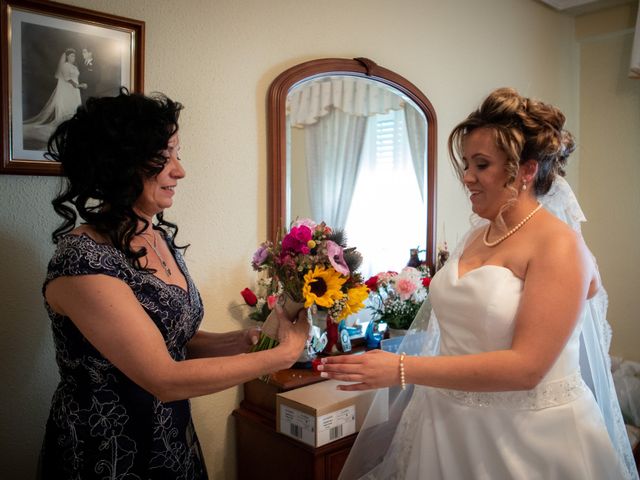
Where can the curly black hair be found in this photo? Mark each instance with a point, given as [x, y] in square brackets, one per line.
[107, 150]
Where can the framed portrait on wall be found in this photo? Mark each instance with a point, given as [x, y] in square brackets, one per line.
[54, 57]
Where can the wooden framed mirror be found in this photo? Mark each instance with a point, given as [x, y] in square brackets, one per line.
[369, 98]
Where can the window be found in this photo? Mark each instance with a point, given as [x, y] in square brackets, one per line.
[387, 214]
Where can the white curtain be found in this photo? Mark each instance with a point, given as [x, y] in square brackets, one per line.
[386, 201]
[634, 70]
[309, 102]
[417, 135]
[333, 112]
[333, 147]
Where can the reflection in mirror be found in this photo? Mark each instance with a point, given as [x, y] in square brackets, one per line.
[353, 144]
[356, 159]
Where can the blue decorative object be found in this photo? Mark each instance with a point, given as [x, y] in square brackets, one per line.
[345, 340]
[372, 337]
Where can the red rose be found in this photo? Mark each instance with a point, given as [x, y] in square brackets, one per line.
[426, 281]
[249, 297]
[372, 283]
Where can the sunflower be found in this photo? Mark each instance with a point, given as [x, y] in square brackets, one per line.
[355, 301]
[322, 287]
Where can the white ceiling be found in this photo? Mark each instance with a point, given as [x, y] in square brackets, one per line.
[579, 7]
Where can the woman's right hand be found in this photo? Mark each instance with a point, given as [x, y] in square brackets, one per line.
[292, 335]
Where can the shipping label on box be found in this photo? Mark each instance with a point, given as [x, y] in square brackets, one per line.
[319, 414]
[297, 424]
[335, 425]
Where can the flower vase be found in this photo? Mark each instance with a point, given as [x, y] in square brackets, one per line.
[269, 333]
[317, 338]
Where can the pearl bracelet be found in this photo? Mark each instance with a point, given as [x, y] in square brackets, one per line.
[403, 383]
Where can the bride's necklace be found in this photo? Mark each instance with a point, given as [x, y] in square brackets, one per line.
[510, 232]
[166, 268]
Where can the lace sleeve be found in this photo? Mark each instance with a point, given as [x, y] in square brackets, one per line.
[81, 255]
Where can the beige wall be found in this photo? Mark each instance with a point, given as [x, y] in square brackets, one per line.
[218, 58]
[609, 143]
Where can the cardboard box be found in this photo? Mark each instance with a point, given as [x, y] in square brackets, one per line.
[319, 414]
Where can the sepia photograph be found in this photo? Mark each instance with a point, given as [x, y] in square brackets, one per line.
[57, 58]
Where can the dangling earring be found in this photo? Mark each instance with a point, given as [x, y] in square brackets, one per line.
[524, 186]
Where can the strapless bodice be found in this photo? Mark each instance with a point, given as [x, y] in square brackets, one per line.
[477, 312]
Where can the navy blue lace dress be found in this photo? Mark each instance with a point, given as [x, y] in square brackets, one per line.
[102, 425]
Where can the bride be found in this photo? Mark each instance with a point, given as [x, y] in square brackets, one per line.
[510, 378]
[63, 102]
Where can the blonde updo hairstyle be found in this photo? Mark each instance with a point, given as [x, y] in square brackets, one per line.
[524, 129]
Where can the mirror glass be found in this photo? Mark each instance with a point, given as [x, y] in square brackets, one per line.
[356, 151]
[356, 159]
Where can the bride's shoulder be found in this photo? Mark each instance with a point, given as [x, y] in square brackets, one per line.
[556, 238]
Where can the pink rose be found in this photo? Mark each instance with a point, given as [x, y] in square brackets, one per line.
[271, 301]
[405, 287]
[385, 277]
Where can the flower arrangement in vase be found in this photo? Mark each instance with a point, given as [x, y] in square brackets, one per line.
[310, 266]
[397, 297]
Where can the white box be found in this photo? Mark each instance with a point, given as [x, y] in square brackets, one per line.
[319, 414]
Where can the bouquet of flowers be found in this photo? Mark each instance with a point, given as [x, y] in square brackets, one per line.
[397, 297]
[310, 267]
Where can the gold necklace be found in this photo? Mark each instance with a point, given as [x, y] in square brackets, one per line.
[510, 232]
[166, 268]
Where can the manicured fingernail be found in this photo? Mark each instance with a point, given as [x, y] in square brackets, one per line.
[254, 340]
[324, 374]
[323, 360]
[320, 367]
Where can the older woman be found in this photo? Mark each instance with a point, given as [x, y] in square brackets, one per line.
[124, 310]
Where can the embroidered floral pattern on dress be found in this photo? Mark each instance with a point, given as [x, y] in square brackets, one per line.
[102, 425]
[544, 395]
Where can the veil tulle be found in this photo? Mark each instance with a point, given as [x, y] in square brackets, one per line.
[374, 443]
[60, 70]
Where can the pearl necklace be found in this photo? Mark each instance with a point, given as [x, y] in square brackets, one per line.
[166, 268]
[510, 232]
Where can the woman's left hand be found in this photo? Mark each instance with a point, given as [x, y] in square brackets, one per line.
[250, 337]
[374, 369]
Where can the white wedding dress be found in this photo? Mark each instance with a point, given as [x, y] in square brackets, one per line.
[61, 105]
[556, 431]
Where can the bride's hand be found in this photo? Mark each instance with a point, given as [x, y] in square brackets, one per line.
[374, 369]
